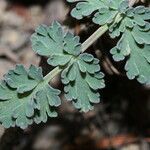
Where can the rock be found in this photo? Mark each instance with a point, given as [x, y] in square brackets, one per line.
[56, 10]
[12, 19]
[13, 38]
[27, 57]
[3, 6]
[131, 147]
[49, 138]
[36, 17]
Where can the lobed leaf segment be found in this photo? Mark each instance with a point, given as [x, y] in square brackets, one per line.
[26, 98]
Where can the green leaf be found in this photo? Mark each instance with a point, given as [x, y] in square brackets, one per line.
[47, 99]
[138, 62]
[86, 7]
[17, 110]
[141, 36]
[24, 80]
[23, 108]
[58, 46]
[105, 10]
[123, 48]
[134, 43]
[82, 80]
[4, 93]
[133, 21]
[107, 14]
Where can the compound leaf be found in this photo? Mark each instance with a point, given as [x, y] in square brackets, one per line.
[105, 10]
[107, 14]
[136, 22]
[82, 80]
[23, 108]
[123, 48]
[47, 99]
[134, 43]
[24, 80]
[86, 7]
[58, 46]
[16, 110]
[138, 62]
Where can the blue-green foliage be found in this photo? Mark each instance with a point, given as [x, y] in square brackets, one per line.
[83, 69]
[25, 95]
[131, 24]
[25, 98]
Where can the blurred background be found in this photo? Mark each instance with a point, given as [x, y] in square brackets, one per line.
[120, 122]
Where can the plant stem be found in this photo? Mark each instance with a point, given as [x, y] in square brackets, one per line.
[52, 74]
[98, 33]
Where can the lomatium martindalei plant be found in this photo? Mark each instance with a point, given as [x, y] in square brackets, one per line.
[26, 96]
